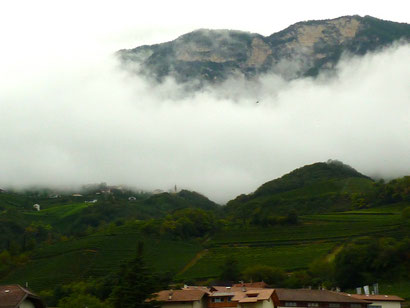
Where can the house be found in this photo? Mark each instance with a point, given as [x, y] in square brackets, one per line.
[132, 199]
[381, 301]
[258, 295]
[316, 299]
[36, 207]
[15, 296]
[241, 297]
[217, 297]
[182, 298]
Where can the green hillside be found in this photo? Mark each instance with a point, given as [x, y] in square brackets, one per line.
[316, 188]
[294, 247]
[96, 256]
[318, 214]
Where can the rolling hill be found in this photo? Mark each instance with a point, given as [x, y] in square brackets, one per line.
[316, 188]
[78, 241]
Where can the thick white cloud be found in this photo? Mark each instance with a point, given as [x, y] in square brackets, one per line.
[76, 118]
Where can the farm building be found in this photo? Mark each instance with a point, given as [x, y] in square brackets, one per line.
[15, 296]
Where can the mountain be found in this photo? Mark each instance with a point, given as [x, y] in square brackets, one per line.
[317, 188]
[73, 241]
[302, 49]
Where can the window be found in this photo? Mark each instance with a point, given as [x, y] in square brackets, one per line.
[374, 306]
[290, 304]
[334, 305]
[356, 306]
[217, 300]
[313, 304]
[229, 299]
[252, 295]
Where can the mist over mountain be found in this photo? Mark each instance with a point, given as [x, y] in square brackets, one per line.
[303, 49]
[76, 116]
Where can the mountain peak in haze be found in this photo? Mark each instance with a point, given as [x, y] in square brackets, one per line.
[302, 49]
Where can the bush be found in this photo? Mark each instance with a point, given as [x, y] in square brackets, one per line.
[271, 275]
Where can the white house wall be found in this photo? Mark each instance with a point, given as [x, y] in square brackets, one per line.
[386, 304]
[26, 304]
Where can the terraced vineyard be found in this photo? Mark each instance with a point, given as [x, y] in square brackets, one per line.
[292, 247]
[328, 227]
[97, 255]
[287, 257]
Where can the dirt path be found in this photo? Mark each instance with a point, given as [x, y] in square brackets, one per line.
[195, 259]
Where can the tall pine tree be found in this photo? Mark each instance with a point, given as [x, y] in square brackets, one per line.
[136, 284]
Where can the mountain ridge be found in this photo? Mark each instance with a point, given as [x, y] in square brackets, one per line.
[302, 49]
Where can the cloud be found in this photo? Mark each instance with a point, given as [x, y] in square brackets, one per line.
[78, 118]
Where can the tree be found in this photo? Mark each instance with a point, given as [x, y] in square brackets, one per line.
[271, 275]
[406, 213]
[230, 270]
[136, 285]
[81, 301]
[323, 272]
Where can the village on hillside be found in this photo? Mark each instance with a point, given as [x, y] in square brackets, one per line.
[242, 295]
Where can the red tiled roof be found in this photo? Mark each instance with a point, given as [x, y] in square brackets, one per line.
[202, 288]
[252, 296]
[179, 295]
[379, 297]
[306, 295]
[231, 289]
[12, 295]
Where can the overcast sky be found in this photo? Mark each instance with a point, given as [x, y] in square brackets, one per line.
[69, 116]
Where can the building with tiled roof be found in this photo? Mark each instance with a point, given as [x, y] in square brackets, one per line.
[257, 295]
[182, 298]
[15, 296]
[316, 299]
[381, 301]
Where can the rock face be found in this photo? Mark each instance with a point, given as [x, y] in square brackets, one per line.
[303, 49]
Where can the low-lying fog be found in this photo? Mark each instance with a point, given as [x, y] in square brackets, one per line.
[78, 118]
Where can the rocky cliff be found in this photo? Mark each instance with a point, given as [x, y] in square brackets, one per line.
[302, 49]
